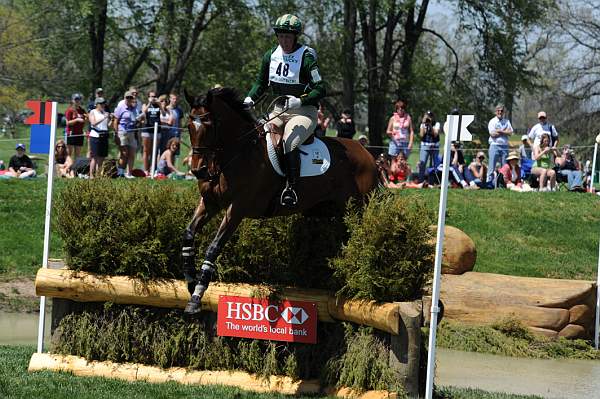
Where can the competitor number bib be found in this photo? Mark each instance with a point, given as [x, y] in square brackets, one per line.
[285, 68]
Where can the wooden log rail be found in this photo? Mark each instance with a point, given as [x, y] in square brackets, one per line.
[171, 293]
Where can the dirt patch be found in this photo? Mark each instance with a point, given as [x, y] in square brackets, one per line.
[18, 296]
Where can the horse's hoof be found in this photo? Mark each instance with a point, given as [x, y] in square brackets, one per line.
[193, 306]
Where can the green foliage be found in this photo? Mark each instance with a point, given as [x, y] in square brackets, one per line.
[471, 393]
[388, 256]
[365, 363]
[168, 338]
[290, 250]
[511, 338]
[124, 228]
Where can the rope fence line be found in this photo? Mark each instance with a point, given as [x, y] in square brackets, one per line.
[415, 148]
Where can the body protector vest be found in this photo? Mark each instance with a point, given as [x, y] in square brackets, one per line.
[285, 72]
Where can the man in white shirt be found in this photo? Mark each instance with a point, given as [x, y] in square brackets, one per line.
[499, 128]
[541, 128]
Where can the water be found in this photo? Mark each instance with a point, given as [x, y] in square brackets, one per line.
[22, 328]
[549, 378]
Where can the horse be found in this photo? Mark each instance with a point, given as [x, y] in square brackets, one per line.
[231, 163]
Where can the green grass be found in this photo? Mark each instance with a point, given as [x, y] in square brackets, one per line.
[511, 338]
[16, 382]
[526, 234]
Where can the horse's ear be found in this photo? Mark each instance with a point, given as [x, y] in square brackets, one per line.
[189, 98]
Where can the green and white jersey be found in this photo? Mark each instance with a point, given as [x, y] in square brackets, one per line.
[296, 74]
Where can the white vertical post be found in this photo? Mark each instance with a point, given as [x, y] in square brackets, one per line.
[594, 167]
[42, 321]
[596, 328]
[154, 145]
[439, 247]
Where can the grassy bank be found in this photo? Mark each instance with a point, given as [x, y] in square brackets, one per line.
[17, 383]
[551, 235]
[511, 338]
[535, 234]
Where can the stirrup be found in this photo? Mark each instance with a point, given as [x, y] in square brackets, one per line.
[288, 197]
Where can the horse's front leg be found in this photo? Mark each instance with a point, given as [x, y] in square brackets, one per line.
[230, 222]
[202, 215]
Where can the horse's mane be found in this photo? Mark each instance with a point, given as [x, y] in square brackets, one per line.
[232, 99]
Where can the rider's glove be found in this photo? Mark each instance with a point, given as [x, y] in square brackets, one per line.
[293, 102]
[248, 102]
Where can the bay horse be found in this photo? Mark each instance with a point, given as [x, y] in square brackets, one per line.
[230, 161]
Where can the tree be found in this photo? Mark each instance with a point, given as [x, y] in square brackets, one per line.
[22, 65]
[501, 29]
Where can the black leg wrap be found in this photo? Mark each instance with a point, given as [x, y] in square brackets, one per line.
[188, 255]
[204, 278]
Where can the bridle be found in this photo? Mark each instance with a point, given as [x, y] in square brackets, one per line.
[213, 152]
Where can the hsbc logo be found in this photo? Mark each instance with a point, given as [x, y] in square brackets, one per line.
[284, 320]
[294, 315]
[270, 313]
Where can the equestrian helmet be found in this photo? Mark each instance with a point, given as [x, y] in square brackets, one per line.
[288, 23]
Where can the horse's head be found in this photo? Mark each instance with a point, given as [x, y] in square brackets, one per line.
[219, 124]
[203, 139]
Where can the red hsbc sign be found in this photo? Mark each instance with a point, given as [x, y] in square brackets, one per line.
[292, 321]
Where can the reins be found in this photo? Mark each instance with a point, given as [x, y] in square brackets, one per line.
[199, 150]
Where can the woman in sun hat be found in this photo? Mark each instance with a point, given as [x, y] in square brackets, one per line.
[511, 172]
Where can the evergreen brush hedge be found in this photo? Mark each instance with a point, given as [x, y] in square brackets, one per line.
[345, 356]
[118, 227]
[388, 255]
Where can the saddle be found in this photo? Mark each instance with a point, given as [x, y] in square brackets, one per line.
[315, 158]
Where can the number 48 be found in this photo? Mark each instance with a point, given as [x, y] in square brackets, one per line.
[286, 69]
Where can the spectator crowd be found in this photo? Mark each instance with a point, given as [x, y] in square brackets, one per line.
[539, 163]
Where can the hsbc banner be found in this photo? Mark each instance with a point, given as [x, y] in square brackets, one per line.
[292, 321]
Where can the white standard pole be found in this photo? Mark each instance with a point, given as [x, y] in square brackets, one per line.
[596, 329]
[154, 145]
[42, 321]
[439, 247]
[594, 167]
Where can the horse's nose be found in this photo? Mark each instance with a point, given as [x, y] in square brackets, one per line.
[201, 173]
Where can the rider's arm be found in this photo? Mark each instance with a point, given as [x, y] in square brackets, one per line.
[262, 79]
[310, 71]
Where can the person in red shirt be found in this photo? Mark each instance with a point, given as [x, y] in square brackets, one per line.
[400, 172]
[76, 117]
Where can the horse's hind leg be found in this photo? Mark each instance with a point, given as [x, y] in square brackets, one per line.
[230, 222]
[188, 250]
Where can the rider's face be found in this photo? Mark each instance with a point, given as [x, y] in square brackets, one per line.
[286, 41]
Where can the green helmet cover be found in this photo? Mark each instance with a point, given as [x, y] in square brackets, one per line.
[288, 23]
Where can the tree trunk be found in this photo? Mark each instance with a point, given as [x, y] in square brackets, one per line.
[412, 33]
[378, 72]
[97, 34]
[170, 75]
[348, 50]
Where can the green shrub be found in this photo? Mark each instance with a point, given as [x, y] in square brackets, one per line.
[134, 228]
[388, 256]
[365, 362]
[124, 227]
[345, 355]
[509, 337]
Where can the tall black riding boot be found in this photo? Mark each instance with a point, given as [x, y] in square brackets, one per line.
[291, 159]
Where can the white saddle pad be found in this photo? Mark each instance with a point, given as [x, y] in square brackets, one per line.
[314, 158]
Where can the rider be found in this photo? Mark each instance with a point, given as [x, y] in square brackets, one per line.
[291, 70]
